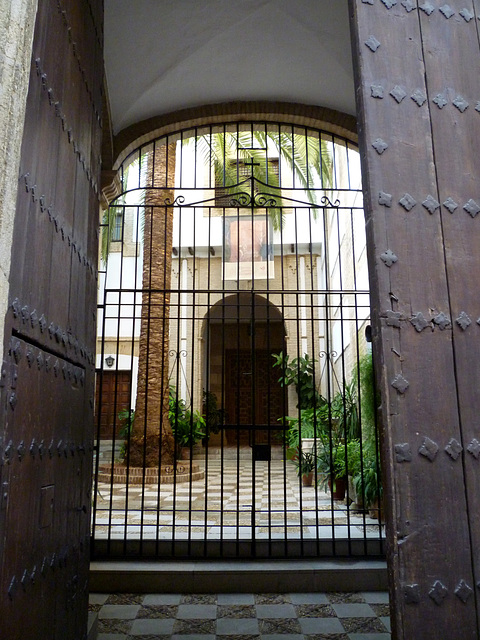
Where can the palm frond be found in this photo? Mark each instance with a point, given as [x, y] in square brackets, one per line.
[107, 227]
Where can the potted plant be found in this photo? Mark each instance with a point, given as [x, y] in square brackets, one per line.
[331, 463]
[125, 418]
[352, 468]
[344, 411]
[307, 428]
[188, 426]
[214, 416]
[305, 463]
[299, 372]
[367, 482]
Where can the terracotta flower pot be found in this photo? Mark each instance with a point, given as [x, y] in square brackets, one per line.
[339, 487]
[307, 479]
[377, 510]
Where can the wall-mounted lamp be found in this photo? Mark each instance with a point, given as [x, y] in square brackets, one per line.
[109, 360]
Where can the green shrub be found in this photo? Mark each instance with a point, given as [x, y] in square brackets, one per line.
[188, 427]
[299, 372]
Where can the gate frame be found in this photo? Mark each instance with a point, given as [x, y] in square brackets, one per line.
[290, 118]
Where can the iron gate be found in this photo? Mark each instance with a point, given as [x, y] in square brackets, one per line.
[235, 392]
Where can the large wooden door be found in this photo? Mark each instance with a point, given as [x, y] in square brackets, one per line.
[254, 396]
[47, 376]
[418, 84]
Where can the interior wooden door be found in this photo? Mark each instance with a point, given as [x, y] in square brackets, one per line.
[115, 398]
[254, 397]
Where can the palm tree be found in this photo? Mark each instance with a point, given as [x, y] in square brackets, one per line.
[151, 440]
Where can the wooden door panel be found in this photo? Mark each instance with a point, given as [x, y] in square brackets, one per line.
[252, 386]
[47, 392]
[114, 398]
[415, 141]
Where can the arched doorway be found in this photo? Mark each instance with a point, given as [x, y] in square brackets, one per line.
[245, 333]
[233, 247]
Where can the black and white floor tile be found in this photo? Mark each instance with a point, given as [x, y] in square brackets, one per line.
[294, 616]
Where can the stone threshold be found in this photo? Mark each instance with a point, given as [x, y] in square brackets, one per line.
[232, 576]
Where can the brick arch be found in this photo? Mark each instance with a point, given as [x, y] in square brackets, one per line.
[132, 137]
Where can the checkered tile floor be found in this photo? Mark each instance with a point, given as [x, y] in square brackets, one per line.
[220, 506]
[294, 616]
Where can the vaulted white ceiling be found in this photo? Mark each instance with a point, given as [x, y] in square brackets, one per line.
[166, 55]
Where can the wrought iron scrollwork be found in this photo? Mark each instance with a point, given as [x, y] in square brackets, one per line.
[257, 200]
[241, 200]
[328, 354]
[177, 354]
[178, 201]
[265, 200]
[326, 202]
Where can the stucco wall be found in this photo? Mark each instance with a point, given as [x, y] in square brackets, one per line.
[17, 21]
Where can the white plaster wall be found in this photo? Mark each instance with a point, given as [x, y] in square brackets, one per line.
[17, 21]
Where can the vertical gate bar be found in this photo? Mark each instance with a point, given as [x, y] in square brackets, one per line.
[147, 251]
[115, 393]
[162, 212]
[147, 357]
[224, 390]
[177, 354]
[284, 351]
[352, 374]
[343, 211]
[117, 352]
[237, 399]
[192, 362]
[307, 164]
[128, 433]
[341, 389]
[328, 279]
[253, 425]
[237, 372]
[268, 368]
[112, 472]
[378, 457]
[208, 348]
[361, 417]
[268, 356]
[179, 161]
[179, 400]
[132, 346]
[206, 370]
[298, 298]
[135, 284]
[309, 213]
[356, 378]
[99, 418]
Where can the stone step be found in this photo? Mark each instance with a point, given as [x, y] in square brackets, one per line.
[245, 576]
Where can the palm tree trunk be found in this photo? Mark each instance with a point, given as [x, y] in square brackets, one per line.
[152, 443]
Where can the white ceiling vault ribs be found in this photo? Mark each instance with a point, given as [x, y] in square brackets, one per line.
[165, 55]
